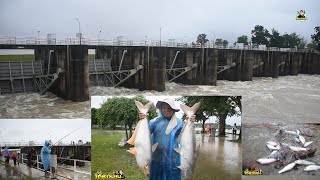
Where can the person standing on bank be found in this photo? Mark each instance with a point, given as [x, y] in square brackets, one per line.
[14, 157]
[234, 129]
[6, 155]
[45, 156]
[165, 130]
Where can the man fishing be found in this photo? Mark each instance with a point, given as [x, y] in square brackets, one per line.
[45, 156]
[165, 131]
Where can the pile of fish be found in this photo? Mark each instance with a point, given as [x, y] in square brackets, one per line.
[290, 148]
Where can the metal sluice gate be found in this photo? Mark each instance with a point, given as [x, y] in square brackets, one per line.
[33, 76]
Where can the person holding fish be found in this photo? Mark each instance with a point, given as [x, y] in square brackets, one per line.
[165, 130]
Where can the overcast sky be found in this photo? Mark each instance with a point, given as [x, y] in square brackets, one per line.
[134, 19]
[39, 130]
[97, 101]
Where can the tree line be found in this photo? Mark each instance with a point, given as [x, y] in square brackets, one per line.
[273, 38]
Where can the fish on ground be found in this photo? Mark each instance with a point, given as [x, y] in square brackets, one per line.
[287, 167]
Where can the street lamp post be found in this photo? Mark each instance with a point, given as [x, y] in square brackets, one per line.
[214, 36]
[160, 36]
[79, 29]
[99, 37]
[38, 36]
[145, 42]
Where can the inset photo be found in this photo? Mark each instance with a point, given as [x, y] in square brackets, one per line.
[45, 149]
[281, 150]
[166, 137]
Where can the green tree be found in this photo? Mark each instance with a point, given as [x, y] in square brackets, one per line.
[316, 37]
[219, 106]
[242, 39]
[202, 39]
[292, 40]
[122, 111]
[94, 119]
[260, 35]
[312, 46]
[225, 43]
[218, 42]
[276, 40]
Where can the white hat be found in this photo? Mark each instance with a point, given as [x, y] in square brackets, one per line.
[168, 101]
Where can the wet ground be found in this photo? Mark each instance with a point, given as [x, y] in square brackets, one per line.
[22, 171]
[219, 157]
[255, 137]
[18, 172]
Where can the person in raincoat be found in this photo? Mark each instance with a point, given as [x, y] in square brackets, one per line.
[6, 155]
[165, 131]
[45, 156]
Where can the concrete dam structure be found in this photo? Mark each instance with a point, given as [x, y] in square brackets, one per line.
[66, 71]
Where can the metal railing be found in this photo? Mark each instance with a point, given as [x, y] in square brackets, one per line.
[37, 164]
[117, 42]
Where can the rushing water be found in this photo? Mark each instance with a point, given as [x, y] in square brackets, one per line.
[285, 99]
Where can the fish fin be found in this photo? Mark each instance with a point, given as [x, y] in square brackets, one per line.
[172, 124]
[192, 109]
[178, 150]
[140, 106]
[195, 107]
[181, 167]
[133, 150]
[146, 169]
[197, 150]
[154, 147]
[133, 137]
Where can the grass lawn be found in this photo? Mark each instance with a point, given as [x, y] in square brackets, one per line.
[22, 57]
[108, 157]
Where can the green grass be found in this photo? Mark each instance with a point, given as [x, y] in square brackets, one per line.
[91, 57]
[22, 57]
[108, 157]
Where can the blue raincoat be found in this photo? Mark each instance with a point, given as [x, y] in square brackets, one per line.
[165, 159]
[6, 152]
[45, 155]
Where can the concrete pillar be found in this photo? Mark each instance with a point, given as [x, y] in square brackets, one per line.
[286, 68]
[313, 64]
[235, 72]
[211, 66]
[267, 59]
[79, 73]
[136, 63]
[40, 54]
[61, 88]
[248, 66]
[275, 64]
[294, 64]
[157, 68]
[101, 54]
[199, 76]
[189, 61]
[318, 63]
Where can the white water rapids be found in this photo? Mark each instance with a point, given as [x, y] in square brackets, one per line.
[285, 99]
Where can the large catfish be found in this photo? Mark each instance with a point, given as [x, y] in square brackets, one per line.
[141, 139]
[187, 141]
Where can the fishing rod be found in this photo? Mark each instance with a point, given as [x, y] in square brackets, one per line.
[3, 140]
[66, 135]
